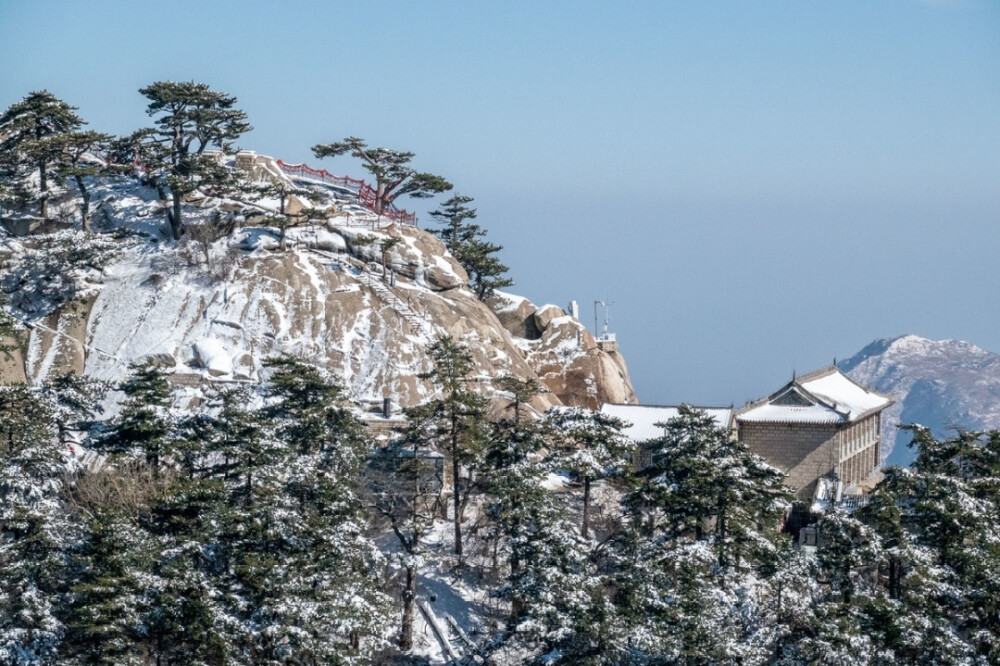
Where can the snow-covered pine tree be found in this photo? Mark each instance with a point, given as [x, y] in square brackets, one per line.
[32, 132]
[559, 601]
[560, 609]
[701, 543]
[190, 117]
[144, 427]
[108, 604]
[404, 485]
[78, 160]
[703, 485]
[314, 593]
[75, 401]
[35, 530]
[454, 423]
[465, 240]
[589, 446]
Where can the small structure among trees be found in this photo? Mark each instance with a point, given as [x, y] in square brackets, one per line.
[646, 424]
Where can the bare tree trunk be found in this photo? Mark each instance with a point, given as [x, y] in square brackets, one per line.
[175, 216]
[458, 513]
[43, 186]
[85, 208]
[409, 601]
[584, 528]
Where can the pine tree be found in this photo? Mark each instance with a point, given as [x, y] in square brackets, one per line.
[453, 423]
[35, 532]
[404, 485]
[32, 131]
[559, 604]
[702, 485]
[590, 446]
[190, 117]
[144, 426]
[75, 402]
[464, 240]
[75, 148]
[309, 570]
[109, 597]
[700, 549]
[393, 174]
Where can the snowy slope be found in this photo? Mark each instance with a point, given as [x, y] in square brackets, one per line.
[942, 384]
[352, 292]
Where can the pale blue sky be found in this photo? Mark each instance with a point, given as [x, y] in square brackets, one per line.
[758, 186]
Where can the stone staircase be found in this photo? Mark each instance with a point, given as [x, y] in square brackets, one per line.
[417, 323]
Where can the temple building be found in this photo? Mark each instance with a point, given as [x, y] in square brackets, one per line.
[819, 426]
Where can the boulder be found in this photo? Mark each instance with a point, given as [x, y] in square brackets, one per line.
[545, 314]
[212, 355]
[516, 314]
[329, 241]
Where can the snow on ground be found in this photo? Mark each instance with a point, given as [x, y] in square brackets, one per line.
[169, 303]
[450, 599]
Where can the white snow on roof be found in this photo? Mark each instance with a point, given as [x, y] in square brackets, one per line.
[645, 417]
[840, 400]
[836, 387]
[767, 413]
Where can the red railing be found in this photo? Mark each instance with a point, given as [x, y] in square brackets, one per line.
[365, 192]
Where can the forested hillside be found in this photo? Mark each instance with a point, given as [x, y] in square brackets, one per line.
[192, 470]
[267, 528]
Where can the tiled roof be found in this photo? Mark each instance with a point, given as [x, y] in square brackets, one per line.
[645, 417]
[825, 396]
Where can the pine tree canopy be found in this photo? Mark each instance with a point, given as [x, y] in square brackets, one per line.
[391, 169]
[464, 240]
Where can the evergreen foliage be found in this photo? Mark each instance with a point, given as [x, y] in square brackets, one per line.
[704, 486]
[145, 426]
[33, 138]
[391, 169]
[465, 240]
[237, 535]
[589, 446]
[453, 423]
[79, 163]
[241, 532]
[240, 535]
[189, 118]
[34, 530]
[404, 485]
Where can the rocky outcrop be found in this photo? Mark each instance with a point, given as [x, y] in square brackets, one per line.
[409, 252]
[564, 354]
[364, 302]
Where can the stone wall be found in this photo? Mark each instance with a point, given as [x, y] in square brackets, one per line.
[808, 451]
[804, 451]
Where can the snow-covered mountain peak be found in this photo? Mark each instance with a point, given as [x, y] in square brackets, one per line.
[942, 384]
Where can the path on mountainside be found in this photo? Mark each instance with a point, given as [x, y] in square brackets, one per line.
[448, 614]
[362, 191]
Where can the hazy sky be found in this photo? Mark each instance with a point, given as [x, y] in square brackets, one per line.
[757, 186]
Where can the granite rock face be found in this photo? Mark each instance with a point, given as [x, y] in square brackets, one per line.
[574, 366]
[364, 303]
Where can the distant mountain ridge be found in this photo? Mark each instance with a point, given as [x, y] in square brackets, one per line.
[941, 384]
